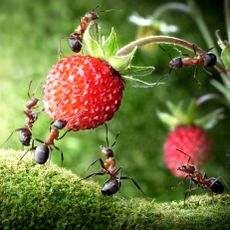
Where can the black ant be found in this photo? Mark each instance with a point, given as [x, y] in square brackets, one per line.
[75, 39]
[207, 59]
[211, 184]
[113, 184]
[25, 133]
[42, 151]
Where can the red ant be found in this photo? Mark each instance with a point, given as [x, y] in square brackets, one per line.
[25, 133]
[211, 184]
[207, 59]
[113, 184]
[76, 38]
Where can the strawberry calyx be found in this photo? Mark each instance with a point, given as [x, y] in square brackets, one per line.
[106, 49]
[179, 115]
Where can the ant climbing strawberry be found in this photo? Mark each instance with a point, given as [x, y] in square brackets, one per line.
[25, 133]
[76, 38]
[113, 184]
[211, 184]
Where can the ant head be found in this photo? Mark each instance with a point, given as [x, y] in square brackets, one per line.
[91, 15]
[176, 63]
[216, 186]
[41, 154]
[74, 44]
[108, 152]
[209, 59]
[110, 187]
[25, 136]
[60, 124]
[187, 168]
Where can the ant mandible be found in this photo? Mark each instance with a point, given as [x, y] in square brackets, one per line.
[75, 39]
[113, 184]
[211, 184]
[207, 59]
[25, 133]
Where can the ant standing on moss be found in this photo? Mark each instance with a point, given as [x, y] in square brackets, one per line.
[25, 133]
[211, 184]
[113, 184]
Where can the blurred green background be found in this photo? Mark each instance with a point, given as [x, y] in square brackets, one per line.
[30, 32]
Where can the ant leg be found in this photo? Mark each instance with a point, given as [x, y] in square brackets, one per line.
[208, 72]
[194, 48]
[93, 175]
[195, 75]
[62, 154]
[100, 161]
[38, 140]
[169, 55]
[33, 148]
[16, 130]
[187, 193]
[115, 140]
[67, 131]
[135, 183]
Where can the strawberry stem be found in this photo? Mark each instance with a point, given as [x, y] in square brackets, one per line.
[165, 40]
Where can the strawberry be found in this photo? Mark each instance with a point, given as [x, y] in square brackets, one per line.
[193, 140]
[85, 84]
[188, 135]
[86, 90]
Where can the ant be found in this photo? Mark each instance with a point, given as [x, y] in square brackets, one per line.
[211, 184]
[25, 133]
[207, 59]
[42, 151]
[75, 39]
[113, 184]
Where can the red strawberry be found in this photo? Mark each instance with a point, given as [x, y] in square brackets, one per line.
[187, 135]
[87, 90]
[83, 83]
[193, 140]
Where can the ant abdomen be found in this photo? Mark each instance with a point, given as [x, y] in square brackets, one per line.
[209, 59]
[25, 136]
[217, 186]
[75, 45]
[110, 187]
[41, 154]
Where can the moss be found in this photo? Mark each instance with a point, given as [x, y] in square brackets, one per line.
[36, 197]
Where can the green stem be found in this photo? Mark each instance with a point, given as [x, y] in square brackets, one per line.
[227, 17]
[165, 40]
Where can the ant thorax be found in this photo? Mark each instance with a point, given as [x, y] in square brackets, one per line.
[187, 168]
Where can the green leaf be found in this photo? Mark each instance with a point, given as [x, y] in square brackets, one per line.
[140, 83]
[211, 119]
[110, 45]
[91, 45]
[139, 70]
[121, 63]
[225, 57]
[224, 90]
[168, 119]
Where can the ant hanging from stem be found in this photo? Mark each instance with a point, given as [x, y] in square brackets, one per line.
[25, 133]
[211, 184]
[75, 39]
[207, 59]
[113, 184]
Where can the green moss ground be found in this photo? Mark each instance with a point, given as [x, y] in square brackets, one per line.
[32, 197]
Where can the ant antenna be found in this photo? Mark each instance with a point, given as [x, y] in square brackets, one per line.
[106, 135]
[115, 141]
[189, 157]
[28, 92]
[164, 50]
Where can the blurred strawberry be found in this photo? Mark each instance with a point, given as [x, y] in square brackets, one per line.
[187, 134]
[86, 90]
